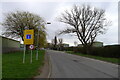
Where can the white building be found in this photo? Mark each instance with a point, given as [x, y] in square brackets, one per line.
[95, 44]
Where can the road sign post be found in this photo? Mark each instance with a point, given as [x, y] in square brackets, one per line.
[24, 54]
[28, 40]
[31, 47]
[31, 57]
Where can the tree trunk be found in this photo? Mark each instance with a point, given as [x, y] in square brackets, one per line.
[87, 49]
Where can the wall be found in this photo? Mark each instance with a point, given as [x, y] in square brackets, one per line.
[0, 44]
[9, 45]
[0, 58]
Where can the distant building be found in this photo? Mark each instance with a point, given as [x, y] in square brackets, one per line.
[65, 45]
[95, 44]
[80, 45]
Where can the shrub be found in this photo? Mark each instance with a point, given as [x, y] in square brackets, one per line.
[106, 51]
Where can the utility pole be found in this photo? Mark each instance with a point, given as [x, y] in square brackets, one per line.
[38, 39]
[37, 42]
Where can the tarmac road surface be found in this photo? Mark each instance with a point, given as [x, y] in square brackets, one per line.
[65, 65]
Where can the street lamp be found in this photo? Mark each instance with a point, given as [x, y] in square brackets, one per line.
[48, 23]
[37, 42]
[38, 39]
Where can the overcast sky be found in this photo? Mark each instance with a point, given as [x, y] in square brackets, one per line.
[51, 9]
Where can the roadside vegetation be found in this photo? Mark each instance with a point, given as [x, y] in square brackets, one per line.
[112, 60]
[12, 66]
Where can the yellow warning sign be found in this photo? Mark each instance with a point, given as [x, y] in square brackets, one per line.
[28, 37]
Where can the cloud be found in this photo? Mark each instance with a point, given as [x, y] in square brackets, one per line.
[49, 10]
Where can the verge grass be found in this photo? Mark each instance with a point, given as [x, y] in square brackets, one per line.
[12, 66]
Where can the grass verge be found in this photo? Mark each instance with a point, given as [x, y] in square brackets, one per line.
[12, 66]
[112, 60]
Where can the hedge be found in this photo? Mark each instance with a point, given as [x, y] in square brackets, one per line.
[106, 51]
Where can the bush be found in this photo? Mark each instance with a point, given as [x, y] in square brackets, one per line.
[106, 51]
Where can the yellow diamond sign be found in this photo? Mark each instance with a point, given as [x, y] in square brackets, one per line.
[28, 37]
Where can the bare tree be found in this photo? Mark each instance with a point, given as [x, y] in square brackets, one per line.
[60, 42]
[85, 22]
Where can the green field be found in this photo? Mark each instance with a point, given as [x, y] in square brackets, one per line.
[12, 66]
[112, 60]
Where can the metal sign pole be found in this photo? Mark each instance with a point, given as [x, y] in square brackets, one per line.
[37, 43]
[31, 56]
[37, 55]
[24, 54]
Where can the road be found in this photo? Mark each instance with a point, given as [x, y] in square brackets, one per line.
[65, 65]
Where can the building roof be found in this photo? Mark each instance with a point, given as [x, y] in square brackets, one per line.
[9, 38]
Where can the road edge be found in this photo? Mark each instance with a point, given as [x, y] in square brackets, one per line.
[94, 59]
[45, 69]
[50, 66]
